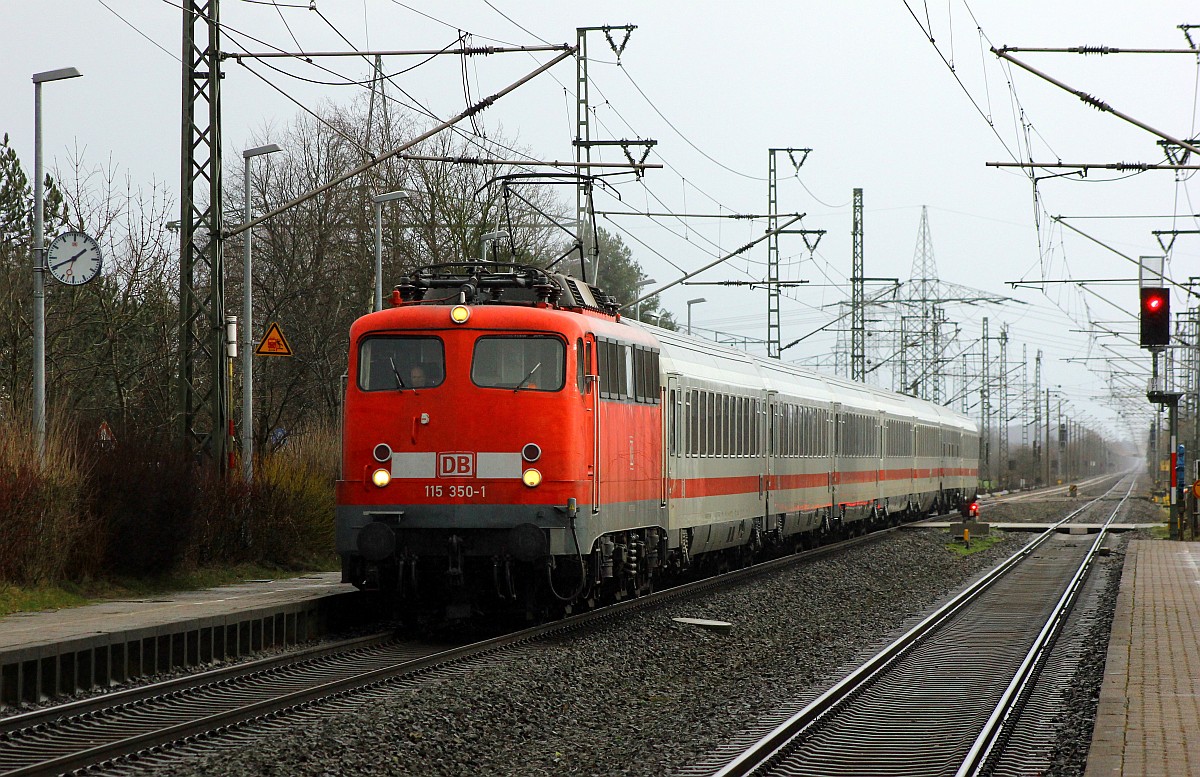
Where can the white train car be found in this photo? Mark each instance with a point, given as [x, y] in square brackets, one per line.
[757, 450]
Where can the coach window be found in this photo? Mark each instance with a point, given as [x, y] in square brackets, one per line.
[735, 426]
[623, 371]
[528, 363]
[739, 426]
[707, 423]
[722, 417]
[671, 416]
[694, 422]
[718, 406]
[397, 363]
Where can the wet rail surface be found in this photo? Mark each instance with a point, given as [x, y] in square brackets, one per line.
[943, 698]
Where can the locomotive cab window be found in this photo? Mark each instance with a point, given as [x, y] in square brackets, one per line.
[530, 362]
[398, 363]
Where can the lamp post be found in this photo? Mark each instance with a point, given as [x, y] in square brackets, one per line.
[487, 238]
[637, 308]
[378, 200]
[248, 322]
[39, 262]
[691, 302]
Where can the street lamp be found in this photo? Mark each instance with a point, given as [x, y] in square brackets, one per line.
[399, 194]
[637, 308]
[39, 262]
[248, 322]
[487, 238]
[691, 302]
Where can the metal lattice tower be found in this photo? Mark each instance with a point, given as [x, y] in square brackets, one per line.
[583, 138]
[377, 112]
[985, 409]
[773, 327]
[1024, 396]
[923, 291]
[858, 313]
[201, 389]
[774, 345]
[584, 143]
[1038, 448]
[1002, 374]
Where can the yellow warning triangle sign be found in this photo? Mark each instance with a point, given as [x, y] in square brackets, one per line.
[273, 343]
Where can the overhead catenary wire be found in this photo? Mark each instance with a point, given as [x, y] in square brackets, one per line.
[471, 110]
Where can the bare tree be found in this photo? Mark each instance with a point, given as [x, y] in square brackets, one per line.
[313, 265]
[111, 351]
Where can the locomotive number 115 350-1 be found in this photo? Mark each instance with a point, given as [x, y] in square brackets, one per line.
[456, 492]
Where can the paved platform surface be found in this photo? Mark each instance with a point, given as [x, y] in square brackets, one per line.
[24, 630]
[1148, 721]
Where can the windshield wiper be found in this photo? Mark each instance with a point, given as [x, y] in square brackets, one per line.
[525, 379]
[399, 381]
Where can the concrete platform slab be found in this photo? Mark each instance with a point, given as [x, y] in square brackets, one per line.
[1146, 723]
[44, 654]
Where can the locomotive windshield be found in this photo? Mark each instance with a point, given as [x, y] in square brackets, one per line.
[529, 362]
[398, 363]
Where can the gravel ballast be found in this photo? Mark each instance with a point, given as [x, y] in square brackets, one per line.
[642, 695]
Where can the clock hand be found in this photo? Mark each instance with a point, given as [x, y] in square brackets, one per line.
[81, 253]
[65, 261]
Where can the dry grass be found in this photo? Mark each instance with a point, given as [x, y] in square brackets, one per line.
[144, 511]
[45, 533]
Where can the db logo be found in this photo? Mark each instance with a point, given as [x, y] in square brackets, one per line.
[456, 465]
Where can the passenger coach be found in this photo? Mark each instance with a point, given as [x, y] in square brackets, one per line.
[509, 440]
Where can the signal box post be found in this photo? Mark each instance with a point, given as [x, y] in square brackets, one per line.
[1154, 315]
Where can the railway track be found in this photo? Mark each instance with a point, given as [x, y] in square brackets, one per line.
[1042, 493]
[942, 698]
[147, 722]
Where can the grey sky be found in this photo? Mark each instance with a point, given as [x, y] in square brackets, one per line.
[856, 81]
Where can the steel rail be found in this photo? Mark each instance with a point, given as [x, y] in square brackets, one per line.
[982, 748]
[204, 724]
[133, 695]
[1048, 490]
[776, 740]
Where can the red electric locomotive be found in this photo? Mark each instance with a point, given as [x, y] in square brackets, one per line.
[470, 438]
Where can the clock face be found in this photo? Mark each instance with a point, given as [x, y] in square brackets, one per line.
[74, 258]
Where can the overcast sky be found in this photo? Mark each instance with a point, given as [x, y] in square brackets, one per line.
[717, 85]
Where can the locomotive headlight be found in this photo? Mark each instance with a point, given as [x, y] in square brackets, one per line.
[382, 452]
[381, 477]
[531, 478]
[531, 452]
[459, 314]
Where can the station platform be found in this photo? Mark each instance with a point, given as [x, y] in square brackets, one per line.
[45, 654]
[1148, 720]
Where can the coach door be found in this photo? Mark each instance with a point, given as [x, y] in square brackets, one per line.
[672, 415]
[766, 439]
[835, 454]
[591, 404]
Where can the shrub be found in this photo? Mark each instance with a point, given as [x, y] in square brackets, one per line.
[144, 509]
[44, 534]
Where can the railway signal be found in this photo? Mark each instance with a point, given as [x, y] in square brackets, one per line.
[1155, 316]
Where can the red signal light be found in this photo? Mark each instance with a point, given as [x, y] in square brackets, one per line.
[1155, 316]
